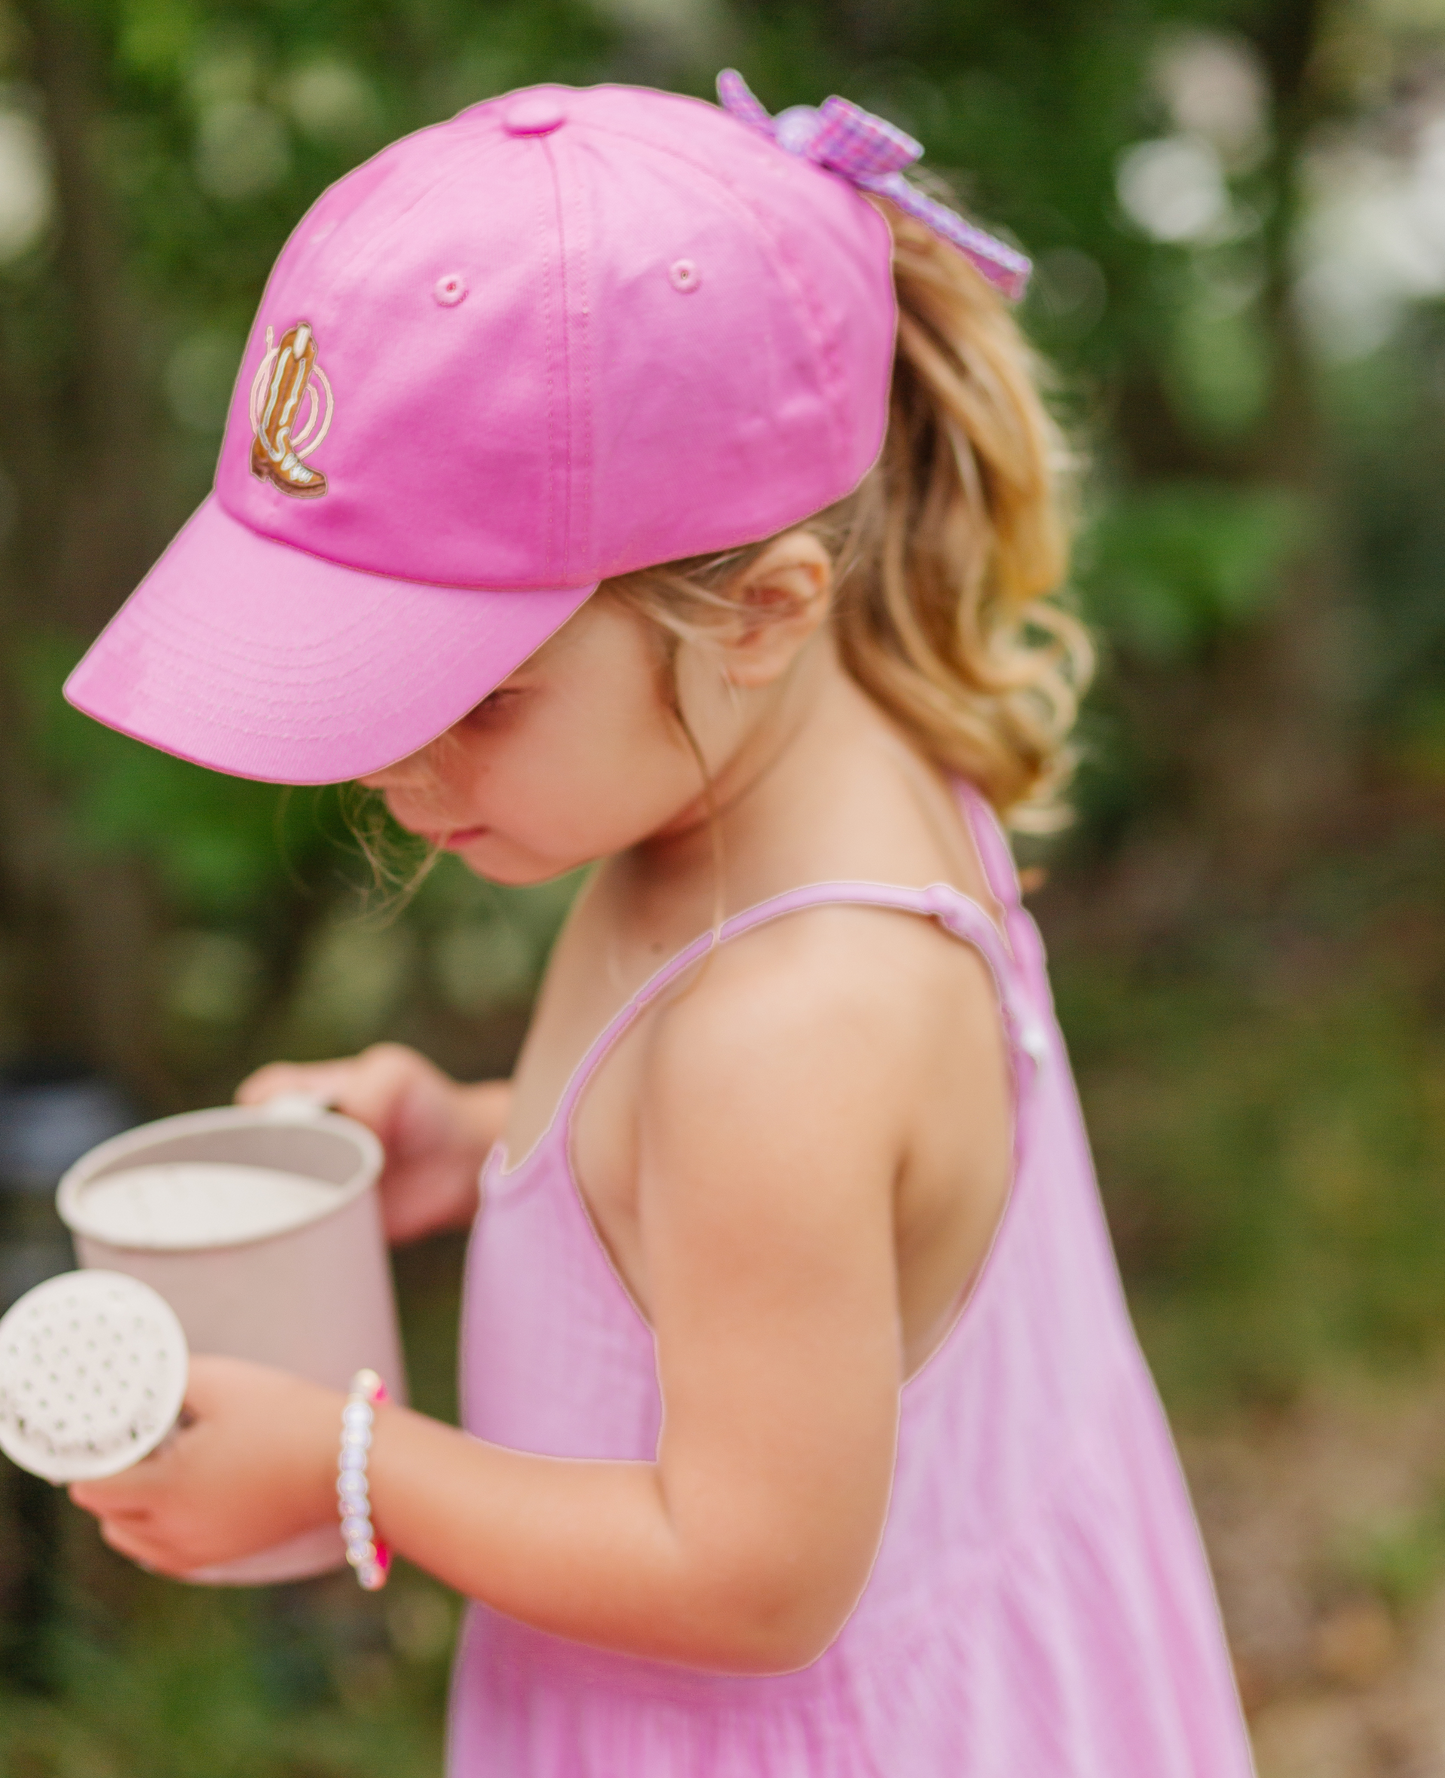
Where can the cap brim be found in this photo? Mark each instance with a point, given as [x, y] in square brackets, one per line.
[256, 658]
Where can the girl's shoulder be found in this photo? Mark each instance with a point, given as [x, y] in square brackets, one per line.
[826, 1000]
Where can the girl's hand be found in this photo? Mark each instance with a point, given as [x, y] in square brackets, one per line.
[252, 1463]
[436, 1133]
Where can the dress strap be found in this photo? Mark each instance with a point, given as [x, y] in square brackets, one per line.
[993, 847]
[955, 911]
[996, 856]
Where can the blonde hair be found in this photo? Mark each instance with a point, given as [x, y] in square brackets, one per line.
[949, 557]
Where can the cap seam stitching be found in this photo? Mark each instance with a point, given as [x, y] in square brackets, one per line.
[446, 586]
[580, 505]
[564, 545]
[810, 313]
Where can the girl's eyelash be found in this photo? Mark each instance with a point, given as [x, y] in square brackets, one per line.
[494, 699]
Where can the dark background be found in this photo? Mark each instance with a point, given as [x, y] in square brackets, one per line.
[1238, 215]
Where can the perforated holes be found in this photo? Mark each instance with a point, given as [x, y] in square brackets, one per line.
[450, 289]
[67, 1411]
[683, 275]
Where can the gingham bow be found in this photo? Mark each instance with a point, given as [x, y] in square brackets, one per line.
[872, 153]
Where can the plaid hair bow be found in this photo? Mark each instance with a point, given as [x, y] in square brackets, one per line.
[872, 153]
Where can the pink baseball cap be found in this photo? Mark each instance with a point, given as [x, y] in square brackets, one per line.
[569, 334]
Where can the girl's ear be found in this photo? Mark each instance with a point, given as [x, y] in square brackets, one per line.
[782, 600]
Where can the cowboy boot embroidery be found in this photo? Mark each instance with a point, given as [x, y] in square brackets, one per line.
[273, 458]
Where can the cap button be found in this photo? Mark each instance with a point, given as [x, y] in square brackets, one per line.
[536, 116]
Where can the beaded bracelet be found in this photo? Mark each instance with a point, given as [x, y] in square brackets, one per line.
[364, 1551]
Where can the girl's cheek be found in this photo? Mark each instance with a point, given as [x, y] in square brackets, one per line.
[563, 776]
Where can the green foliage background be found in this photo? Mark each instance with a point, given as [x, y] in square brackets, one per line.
[1244, 922]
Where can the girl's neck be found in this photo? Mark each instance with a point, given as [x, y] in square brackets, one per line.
[804, 737]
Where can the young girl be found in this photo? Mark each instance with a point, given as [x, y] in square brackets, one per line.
[805, 1430]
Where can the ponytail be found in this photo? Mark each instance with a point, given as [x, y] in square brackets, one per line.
[949, 555]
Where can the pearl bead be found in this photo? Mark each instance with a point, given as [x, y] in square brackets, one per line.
[366, 1555]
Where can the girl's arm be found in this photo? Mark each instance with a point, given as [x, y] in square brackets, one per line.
[767, 1151]
[771, 1124]
[436, 1133]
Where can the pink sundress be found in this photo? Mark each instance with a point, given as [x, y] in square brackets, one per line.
[1040, 1607]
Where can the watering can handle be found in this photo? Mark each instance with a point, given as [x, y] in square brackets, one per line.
[290, 1108]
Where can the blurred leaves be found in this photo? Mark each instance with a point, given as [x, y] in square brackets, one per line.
[279, 936]
[1258, 495]
[1165, 570]
[219, 844]
[1401, 1558]
[1271, 1169]
[1230, 204]
[241, 1686]
[353, 978]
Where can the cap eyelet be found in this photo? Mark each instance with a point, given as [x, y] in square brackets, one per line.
[449, 289]
[683, 275]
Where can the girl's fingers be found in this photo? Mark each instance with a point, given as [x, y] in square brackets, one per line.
[209, 1384]
[128, 1530]
[368, 1087]
[145, 1551]
[323, 1079]
[134, 1490]
[254, 1465]
[123, 1495]
[106, 1513]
